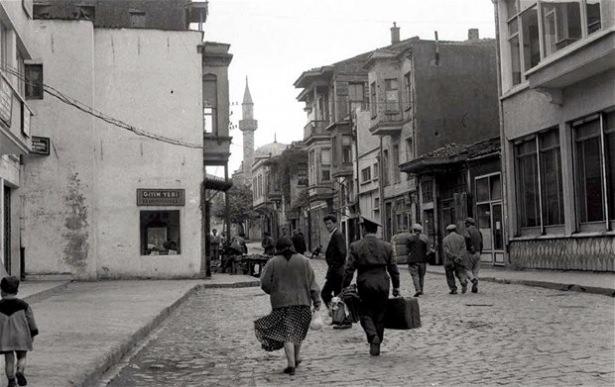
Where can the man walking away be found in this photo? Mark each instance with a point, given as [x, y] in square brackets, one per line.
[372, 258]
[299, 241]
[418, 248]
[474, 247]
[335, 255]
[454, 250]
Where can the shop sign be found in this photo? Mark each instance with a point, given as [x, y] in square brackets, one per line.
[161, 197]
[40, 145]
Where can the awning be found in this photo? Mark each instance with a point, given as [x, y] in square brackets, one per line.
[217, 184]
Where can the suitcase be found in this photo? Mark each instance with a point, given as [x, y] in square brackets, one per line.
[402, 313]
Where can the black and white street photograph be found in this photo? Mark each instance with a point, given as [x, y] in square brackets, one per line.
[201, 193]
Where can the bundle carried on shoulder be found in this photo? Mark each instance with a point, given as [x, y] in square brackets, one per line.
[400, 246]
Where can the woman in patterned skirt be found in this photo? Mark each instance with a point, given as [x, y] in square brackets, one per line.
[289, 280]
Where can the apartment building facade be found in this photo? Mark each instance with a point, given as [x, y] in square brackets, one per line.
[557, 75]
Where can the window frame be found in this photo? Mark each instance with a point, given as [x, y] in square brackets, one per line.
[373, 100]
[537, 152]
[34, 88]
[608, 223]
[366, 177]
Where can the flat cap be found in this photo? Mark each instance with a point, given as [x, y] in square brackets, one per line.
[451, 227]
[417, 227]
[470, 221]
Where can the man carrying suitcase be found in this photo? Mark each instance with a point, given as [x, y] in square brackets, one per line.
[372, 258]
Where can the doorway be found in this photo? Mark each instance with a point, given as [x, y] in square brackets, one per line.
[7, 229]
[489, 217]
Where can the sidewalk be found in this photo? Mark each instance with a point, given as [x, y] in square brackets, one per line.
[87, 327]
[580, 281]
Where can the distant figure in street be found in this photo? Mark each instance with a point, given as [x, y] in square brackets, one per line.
[474, 248]
[454, 250]
[336, 259]
[418, 249]
[17, 330]
[215, 244]
[299, 241]
[289, 280]
[267, 244]
[372, 258]
[316, 252]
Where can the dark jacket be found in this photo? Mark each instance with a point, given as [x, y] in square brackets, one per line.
[418, 247]
[290, 282]
[474, 240]
[268, 246]
[335, 254]
[372, 258]
[299, 243]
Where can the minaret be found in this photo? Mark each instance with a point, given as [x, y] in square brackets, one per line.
[247, 125]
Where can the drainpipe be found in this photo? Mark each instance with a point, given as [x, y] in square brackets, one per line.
[381, 190]
[503, 144]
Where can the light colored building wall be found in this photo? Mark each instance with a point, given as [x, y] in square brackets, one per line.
[81, 215]
[170, 106]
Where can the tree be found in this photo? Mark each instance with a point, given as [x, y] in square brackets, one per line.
[240, 204]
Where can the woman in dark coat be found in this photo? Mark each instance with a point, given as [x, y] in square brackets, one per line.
[289, 280]
[372, 258]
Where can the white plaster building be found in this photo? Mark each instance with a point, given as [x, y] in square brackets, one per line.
[107, 203]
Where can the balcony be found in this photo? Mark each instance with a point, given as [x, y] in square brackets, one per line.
[315, 129]
[574, 63]
[387, 123]
[342, 170]
[216, 149]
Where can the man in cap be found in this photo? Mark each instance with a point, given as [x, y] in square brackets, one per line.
[474, 247]
[372, 258]
[418, 248]
[454, 250]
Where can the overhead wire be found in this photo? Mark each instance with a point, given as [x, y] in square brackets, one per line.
[98, 114]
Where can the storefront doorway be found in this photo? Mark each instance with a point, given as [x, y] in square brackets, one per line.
[489, 217]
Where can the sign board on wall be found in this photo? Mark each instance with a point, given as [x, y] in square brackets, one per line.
[6, 101]
[161, 197]
[40, 145]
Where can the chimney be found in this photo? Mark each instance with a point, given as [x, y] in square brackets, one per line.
[473, 34]
[394, 33]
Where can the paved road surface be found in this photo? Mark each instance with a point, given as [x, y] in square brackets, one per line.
[506, 334]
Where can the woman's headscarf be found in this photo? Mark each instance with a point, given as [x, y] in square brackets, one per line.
[285, 247]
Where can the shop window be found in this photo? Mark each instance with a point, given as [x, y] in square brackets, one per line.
[34, 81]
[160, 233]
[528, 200]
[539, 160]
[594, 140]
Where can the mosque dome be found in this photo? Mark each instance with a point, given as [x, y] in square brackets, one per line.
[272, 149]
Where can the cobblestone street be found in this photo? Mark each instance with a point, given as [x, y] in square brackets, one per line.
[506, 334]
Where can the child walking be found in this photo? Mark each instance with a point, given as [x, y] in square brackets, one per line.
[17, 328]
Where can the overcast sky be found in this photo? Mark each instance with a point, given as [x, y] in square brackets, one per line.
[274, 41]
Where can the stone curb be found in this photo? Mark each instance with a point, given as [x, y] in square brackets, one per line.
[545, 284]
[40, 296]
[92, 377]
